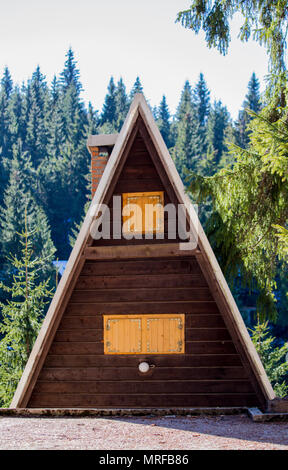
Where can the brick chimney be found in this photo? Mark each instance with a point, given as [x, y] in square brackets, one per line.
[100, 147]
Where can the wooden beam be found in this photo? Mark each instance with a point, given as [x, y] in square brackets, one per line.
[135, 251]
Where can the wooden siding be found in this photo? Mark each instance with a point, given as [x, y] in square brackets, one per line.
[77, 373]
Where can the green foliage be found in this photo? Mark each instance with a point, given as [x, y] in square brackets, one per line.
[273, 358]
[252, 103]
[18, 199]
[217, 124]
[249, 196]
[265, 20]
[248, 199]
[163, 121]
[282, 234]
[69, 77]
[201, 98]
[22, 313]
[137, 88]
[109, 107]
[122, 104]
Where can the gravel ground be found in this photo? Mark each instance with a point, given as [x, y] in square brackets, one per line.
[148, 433]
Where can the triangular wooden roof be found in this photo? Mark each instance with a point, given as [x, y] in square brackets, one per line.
[204, 254]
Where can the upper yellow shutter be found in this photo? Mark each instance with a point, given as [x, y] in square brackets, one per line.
[143, 212]
[144, 334]
[132, 214]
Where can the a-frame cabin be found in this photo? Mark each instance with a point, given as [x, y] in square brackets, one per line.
[159, 302]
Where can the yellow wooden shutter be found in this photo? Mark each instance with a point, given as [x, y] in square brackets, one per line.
[143, 212]
[164, 335]
[132, 213]
[153, 213]
[122, 334]
[144, 334]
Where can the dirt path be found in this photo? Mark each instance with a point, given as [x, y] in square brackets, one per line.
[222, 432]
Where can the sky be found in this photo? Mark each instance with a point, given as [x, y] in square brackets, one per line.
[126, 38]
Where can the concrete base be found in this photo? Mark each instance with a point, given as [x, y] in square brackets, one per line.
[120, 412]
[254, 413]
[258, 417]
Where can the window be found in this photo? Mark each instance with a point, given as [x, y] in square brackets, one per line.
[143, 212]
[144, 334]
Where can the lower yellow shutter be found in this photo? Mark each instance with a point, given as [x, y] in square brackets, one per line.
[123, 335]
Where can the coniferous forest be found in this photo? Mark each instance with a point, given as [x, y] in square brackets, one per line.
[45, 185]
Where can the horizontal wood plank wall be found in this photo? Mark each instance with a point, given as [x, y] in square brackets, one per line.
[138, 175]
[76, 372]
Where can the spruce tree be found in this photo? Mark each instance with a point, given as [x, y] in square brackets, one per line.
[5, 115]
[201, 98]
[55, 90]
[163, 121]
[185, 104]
[70, 76]
[252, 102]
[187, 150]
[137, 88]
[37, 132]
[272, 356]
[92, 120]
[22, 312]
[122, 104]
[18, 126]
[109, 108]
[217, 124]
[7, 82]
[253, 98]
[18, 198]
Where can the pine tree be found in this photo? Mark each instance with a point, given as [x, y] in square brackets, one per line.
[55, 131]
[249, 199]
[252, 102]
[122, 104]
[5, 116]
[190, 136]
[217, 124]
[18, 126]
[22, 312]
[64, 192]
[92, 120]
[37, 132]
[163, 121]
[110, 104]
[272, 356]
[187, 149]
[70, 76]
[253, 98]
[137, 88]
[185, 104]
[201, 98]
[18, 198]
[55, 90]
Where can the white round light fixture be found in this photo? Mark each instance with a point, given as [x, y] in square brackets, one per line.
[143, 367]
